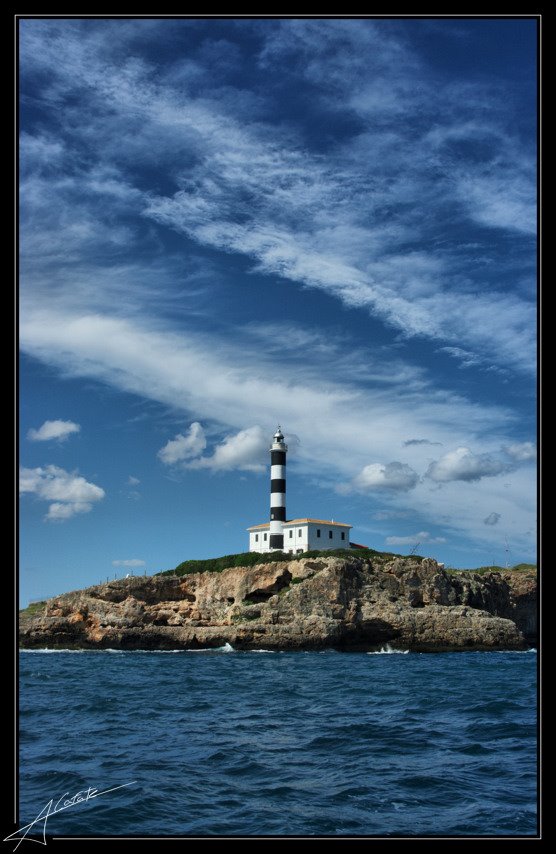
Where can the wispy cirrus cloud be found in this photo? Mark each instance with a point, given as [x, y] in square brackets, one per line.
[163, 366]
[521, 452]
[399, 208]
[129, 562]
[258, 191]
[421, 538]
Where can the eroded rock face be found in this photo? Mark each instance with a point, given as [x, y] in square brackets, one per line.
[346, 603]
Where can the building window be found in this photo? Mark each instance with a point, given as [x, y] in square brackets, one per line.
[330, 535]
[256, 538]
[290, 552]
[300, 551]
[299, 533]
[343, 535]
[264, 535]
[318, 532]
[291, 533]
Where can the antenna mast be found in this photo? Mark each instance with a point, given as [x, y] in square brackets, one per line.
[507, 550]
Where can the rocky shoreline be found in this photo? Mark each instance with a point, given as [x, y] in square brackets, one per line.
[343, 603]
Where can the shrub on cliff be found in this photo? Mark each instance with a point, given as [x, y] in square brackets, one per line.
[218, 564]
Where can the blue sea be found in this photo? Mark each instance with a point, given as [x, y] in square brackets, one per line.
[277, 743]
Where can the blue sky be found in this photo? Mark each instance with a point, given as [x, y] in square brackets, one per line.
[230, 224]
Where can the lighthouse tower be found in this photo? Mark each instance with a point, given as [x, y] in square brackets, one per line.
[278, 451]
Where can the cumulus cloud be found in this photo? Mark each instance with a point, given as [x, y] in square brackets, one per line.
[412, 539]
[462, 464]
[131, 562]
[521, 452]
[69, 492]
[184, 448]
[59, 430]
[492, 519]
[244, 450]
[394, 476]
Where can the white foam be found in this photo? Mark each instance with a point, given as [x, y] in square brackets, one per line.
[226, 648]
[387, 650]
[47, 650]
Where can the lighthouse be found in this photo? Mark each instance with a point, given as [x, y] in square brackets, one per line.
[294, 536]
[278, 451]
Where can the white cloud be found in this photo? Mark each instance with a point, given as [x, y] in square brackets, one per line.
[184, 448]
[69, 492]
[384, 515]
[340, 220]
[492, 519]
[505, 200]
[468, 360]
[131, 562]
[245, 450]
[394, 476]
[255, 189]
[331, 410]
[462, 464]
[413, 539]
[521, 452]
[133, 481]
[410, 442]
[53, 430]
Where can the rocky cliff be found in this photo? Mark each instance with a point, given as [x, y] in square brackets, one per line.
[346, 603]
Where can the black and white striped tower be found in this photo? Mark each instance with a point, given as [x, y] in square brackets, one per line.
[278, 451]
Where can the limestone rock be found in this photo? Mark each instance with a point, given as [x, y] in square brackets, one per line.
[346, 603]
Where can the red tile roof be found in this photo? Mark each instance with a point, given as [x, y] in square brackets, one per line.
[303, 522]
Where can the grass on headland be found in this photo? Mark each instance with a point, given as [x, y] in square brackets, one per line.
[529, 568]
[33, 609]
[218, 564]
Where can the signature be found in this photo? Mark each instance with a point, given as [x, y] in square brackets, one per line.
[63, 803]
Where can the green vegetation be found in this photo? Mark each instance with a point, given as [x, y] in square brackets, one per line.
[484, 570]
[524, 567]
[33, 609]
[218, 564]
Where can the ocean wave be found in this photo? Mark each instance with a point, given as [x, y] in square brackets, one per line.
[47, 650]
[387, 650]
[137, 651]
[226, 648]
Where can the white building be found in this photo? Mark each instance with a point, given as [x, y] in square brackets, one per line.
[302, 535]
